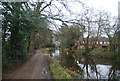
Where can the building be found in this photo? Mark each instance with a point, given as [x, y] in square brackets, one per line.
[100, 41]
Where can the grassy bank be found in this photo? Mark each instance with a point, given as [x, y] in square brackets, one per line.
[58, 72]
[102, 53]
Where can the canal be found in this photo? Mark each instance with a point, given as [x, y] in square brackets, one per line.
[87, 67]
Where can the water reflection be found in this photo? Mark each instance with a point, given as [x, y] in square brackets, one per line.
[88, 67]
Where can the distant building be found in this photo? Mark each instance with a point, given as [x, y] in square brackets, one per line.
[103, 42]
[100, 41]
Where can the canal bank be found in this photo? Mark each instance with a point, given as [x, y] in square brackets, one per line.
[87, 67]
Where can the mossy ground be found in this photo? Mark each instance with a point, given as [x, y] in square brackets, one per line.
[58, 72]
[103, 53]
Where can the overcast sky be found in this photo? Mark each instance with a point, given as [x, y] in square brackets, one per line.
[109, 5]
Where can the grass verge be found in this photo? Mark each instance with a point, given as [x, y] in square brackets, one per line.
[57, 71]
[102, 53]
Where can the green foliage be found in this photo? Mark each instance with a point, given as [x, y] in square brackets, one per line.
[44, 38]
[69, 36]
[6, 61]
[14, 30]
[23, 31]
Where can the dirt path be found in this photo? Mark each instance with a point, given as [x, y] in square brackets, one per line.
[35, 68]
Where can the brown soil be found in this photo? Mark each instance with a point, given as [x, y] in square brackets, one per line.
[35, 68]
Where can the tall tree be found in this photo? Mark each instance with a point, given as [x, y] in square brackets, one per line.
[69, 36]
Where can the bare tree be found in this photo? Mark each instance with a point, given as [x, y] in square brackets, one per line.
[87, 21]
[110, 29]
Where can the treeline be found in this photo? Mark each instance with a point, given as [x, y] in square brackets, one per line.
[23, 31]
[26, 27]
[90, 26]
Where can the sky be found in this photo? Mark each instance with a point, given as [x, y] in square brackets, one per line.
[110, 5]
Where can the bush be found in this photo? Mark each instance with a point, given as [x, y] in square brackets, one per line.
[6, 61]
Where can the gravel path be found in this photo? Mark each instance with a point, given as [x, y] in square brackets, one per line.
[35, 68]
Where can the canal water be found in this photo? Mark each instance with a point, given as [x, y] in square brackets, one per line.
[87, 67]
